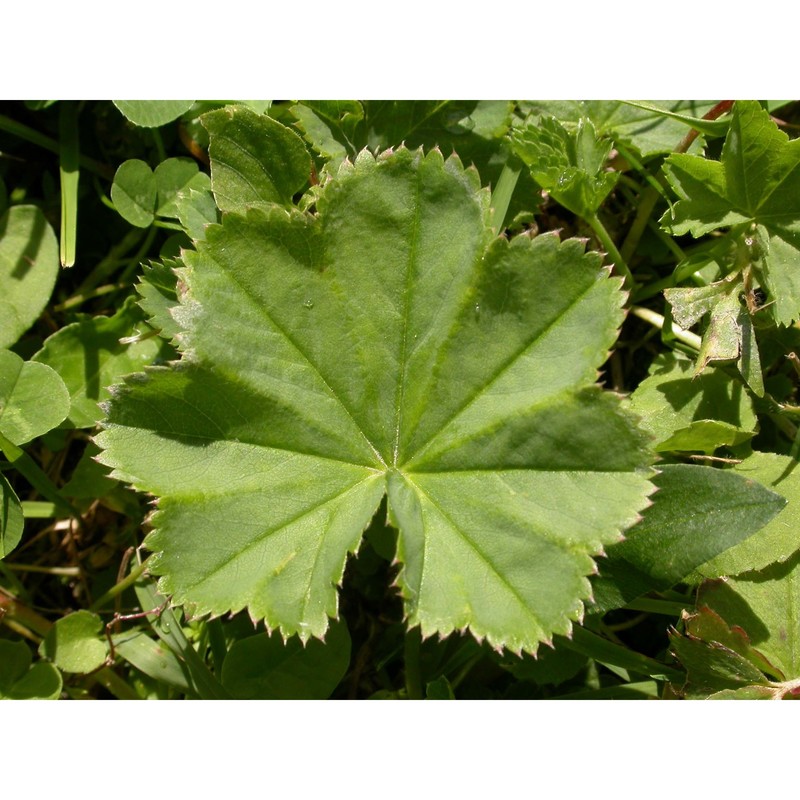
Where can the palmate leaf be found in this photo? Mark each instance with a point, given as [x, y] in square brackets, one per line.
[386, 345]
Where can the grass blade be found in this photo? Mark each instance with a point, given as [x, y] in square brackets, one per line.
[69, 169]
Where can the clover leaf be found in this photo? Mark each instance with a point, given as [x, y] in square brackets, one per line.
[386, 344]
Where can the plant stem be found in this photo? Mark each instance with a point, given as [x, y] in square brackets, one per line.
[111, 261]
[80, 299]
[68, 571]
[657, 321]
[162, 154]
[14, 610]
[121, 586]
[136, 259]
[413, 640]
[619, 262]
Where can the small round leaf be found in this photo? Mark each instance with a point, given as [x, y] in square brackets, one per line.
[21, 681]
[33, 398]
[74, 644]
[134, 192]
[153, 113]
[11, 518]
[28, 268]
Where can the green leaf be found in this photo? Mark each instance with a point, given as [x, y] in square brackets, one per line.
[33, 398]
[645, 128]
[90, 356]
[729, 335]
[11, 518]
[714, 666]
[475, 129]
[153, 658]
[447, 124]
[439, 689]
[19, 680]
[713, 127]
[157, 288]
[765, 605]
[755, 183]
[174, 177]
[195, 210]
[29, 262]
[692, 413]
[167, 626]
[153, 113]
[74, 643]
[569, 165]
[697, 513]
[329, 126]
[134, 192]
[254, 159]
[386, 344]
[777, 540]
[263, 667]
[722, 338]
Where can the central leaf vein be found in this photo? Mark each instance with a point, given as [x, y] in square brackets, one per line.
[402, 365]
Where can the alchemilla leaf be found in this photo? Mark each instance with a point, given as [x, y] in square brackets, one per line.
[386, 344]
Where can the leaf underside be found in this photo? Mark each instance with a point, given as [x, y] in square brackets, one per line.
[385, 345]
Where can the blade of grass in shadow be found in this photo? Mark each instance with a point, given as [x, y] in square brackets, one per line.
[644, 690]
[591, 644]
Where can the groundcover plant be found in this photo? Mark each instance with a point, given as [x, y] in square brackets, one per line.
[399, 399]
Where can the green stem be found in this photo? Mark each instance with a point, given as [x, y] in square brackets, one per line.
[38, 509]
[647, 202]
[111, 261]
[80, 299]
[619, 262]
[169, 226]
[411, 648]
[136, 259]
[12, 609]
[120, 587]
[657, 321]
[162, 154]
[36, 476]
